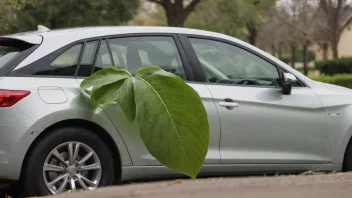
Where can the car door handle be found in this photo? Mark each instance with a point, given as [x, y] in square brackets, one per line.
[228, 105]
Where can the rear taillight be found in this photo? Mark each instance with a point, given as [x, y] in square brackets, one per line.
[11, 97]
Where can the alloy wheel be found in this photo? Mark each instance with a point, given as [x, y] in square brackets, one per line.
[72, 166]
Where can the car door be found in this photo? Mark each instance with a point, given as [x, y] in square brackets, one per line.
[134, 52]
[259, 125]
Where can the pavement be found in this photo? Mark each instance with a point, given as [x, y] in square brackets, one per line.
[335, 185]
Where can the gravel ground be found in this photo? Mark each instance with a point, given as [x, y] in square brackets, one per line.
[336, 185]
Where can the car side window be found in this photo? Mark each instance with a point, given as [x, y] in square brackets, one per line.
[137, 52]
[87, 61]
[229, 64]
[65, 64]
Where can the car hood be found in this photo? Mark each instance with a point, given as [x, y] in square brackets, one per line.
[337, 88]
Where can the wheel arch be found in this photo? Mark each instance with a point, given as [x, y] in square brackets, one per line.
[89, 125]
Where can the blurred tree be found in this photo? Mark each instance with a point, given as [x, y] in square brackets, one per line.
[273, 34]
[338, 15]
[301, 17]
[238, 18]
[7, 16]
[250, 14]
[70, 13]
[149, 14]
[177, 11]
[208, 16]
[8, 9]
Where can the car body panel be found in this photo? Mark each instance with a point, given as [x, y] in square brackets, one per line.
[32, 115]
[338, 111]
[269, 127]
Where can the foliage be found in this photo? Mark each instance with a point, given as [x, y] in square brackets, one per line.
[8, 14]
[247, 14]
[344, 80]
[335, 66]
[71, 13]
[285, 59]
[238, 18]
[171, 118]
[208, 16]
[159, 17]
[299, 56]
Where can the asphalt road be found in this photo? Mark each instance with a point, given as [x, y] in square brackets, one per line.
[338, 185]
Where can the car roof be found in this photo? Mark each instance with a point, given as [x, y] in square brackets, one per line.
[115, 30]
[75, 34]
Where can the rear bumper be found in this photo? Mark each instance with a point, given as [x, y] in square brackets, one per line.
[16, 137]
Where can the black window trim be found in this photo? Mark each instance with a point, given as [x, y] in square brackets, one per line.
[109, 49]
[80, 57]
[95, 56]
[198, 71]
[184, 59]
[82, 52]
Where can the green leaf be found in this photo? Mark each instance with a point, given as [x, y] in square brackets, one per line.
[172, 120]
[126, 99]
[106, 94]
[104, 77]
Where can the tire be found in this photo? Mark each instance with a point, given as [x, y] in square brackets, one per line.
[347, 162]
[36, 181]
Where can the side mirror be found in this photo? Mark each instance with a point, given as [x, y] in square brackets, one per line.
[287, 82]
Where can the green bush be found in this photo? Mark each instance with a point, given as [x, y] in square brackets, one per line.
[285, 59]
[336, 66]
[344, 80]
[299, 56]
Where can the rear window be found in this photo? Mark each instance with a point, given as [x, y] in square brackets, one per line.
[7, 53]
[10, 50]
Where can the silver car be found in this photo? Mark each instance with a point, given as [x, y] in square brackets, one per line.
[264, 116]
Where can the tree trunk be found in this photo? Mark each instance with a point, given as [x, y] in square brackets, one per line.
[334, 46]
[335, 36]
[325, 48]
[175, 14]
[252, 33]
[273, 49]
[279, 51]
[176, 22]
[293, 54]
[305, 57]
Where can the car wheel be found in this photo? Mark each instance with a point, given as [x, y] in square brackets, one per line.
[68, 159]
